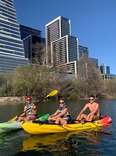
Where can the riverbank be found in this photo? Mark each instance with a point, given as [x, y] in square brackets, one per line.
[10, 100]
[17, 100]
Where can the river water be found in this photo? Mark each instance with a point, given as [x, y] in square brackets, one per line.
[91, 143]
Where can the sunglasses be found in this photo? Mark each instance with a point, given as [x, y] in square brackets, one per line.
[61, 102]
[91, 99]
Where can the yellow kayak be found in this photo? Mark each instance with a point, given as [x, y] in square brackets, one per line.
[36, 128]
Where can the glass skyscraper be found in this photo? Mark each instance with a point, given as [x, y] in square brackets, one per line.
[83, 51]
[61, 47]
[55, 30]
[34, 44]
[11, 45]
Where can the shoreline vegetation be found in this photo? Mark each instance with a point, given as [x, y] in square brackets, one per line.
[38, 80]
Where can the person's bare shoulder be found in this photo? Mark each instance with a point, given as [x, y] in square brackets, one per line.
[96, 103]
[87, 104]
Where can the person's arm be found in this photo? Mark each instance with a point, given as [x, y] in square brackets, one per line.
[25, 108]
[62, 113]
[84, 108]
[34, 106]
[34, 109]
[56, 113]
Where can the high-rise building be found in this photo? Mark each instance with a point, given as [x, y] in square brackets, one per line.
[69, 69]
[55, 30]
[83, 51]
[11, 45]
[61, 47]
[94, 62]
[108, 70]
[102, 69]
[64, 50]
[34, 44]
[27, 31]
[105, 72]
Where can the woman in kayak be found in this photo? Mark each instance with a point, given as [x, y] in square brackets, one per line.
[61, 116]
[30, 110]
[93, 113]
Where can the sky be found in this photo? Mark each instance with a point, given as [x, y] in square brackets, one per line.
[92, 21]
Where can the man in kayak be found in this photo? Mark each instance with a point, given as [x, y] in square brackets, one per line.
[30, 110]
[61, 116]
[90, 111]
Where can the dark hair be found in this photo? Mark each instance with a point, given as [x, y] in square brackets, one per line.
[92, 96]
[60, 97]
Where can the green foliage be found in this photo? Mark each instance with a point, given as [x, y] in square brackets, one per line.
[90, 81]
[32, 80]
[6, 85]
[38, 81]
[110, 88]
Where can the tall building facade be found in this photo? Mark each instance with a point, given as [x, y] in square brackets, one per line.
[27, 31]
[64, 50]
[34, 44]
[105, 72]
[83, 51]
[108, 70]
[94, 62]
[102, 69]
[11, 45]
[61, 47]
[69, 69]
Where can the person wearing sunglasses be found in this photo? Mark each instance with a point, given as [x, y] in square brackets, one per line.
[90, 111]
[62, 115]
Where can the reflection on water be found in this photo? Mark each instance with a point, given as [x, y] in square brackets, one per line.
[64, 144]
[61, 144]
[59, 140]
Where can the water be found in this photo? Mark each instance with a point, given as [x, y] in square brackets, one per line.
[91, 143]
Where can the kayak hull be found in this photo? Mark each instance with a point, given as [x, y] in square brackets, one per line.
[36, 128]
[9, 126]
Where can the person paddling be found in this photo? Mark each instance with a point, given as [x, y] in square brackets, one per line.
[93, 108]
[61, 116]
[30, 110]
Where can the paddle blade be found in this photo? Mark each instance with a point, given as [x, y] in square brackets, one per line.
[52, 93]
[13, 119]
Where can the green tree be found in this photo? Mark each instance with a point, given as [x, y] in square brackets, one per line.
[90, 80]
[34, 80]
[110, 87]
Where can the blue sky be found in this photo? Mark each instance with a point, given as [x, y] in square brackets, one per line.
[92, 21]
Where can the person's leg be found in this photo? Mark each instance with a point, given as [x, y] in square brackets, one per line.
[63, 121]
[57, 121]
[80, 118]
[52, 119]
[90, 117]
[30, 118]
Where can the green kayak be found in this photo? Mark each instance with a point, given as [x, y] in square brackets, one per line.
[15, 125]
[9, 126]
